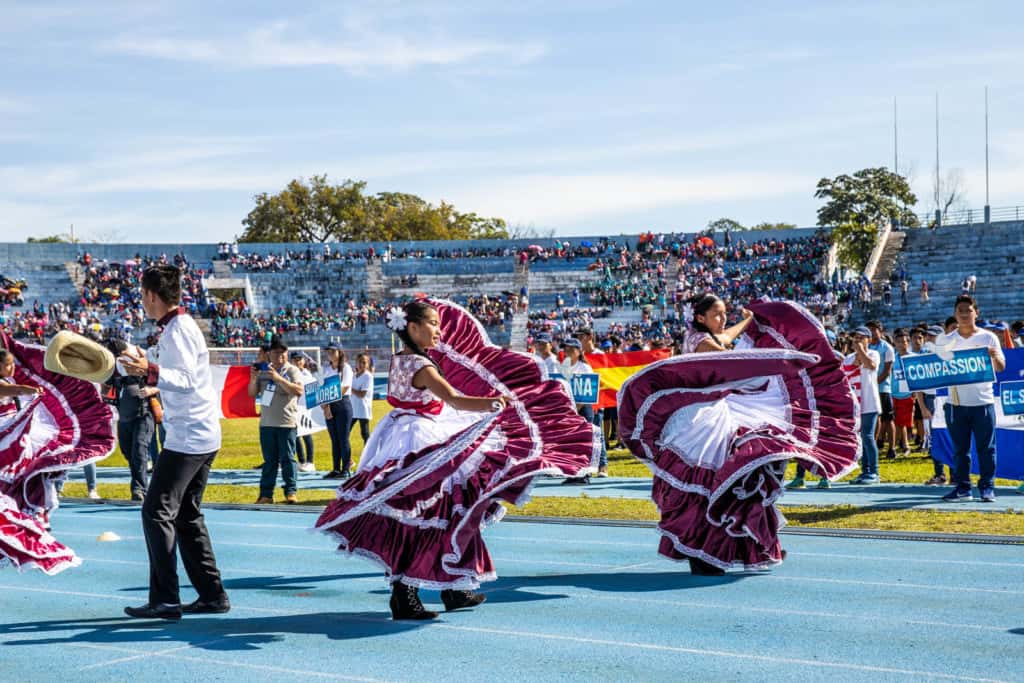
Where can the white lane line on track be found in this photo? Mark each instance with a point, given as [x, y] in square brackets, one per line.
[763, 575]
[227, 662]
[734, 608]
[558, 637]
[627, 544]
[333, 550]
[891, 584]
[717, 653]
[137, 656]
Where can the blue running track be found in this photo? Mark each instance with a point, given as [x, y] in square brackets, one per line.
[574, 603]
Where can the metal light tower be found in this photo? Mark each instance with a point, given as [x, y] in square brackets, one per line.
[988, 207]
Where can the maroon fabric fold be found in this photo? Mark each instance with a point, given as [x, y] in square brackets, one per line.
[420, 514]
[725, 514]
[67, 426]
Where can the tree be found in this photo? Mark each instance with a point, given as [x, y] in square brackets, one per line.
[774, 226]
[321, 212]
[948, 193]
[854, 243]
[856, 205]
[317, 212]
[724, 225]
[61, 238]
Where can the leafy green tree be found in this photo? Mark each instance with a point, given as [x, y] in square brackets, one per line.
[774, 226]
[855, 205]
[724, 224]
[313, 212]
[321, 212]
[854, 243]
[61, 238]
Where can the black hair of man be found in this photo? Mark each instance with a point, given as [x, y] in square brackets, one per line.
[966, 299]
[164, 280]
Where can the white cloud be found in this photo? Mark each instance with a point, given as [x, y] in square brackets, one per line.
[565, 198]
[276, 45]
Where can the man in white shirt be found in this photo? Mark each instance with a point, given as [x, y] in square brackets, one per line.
[171, 515]
[970, 410]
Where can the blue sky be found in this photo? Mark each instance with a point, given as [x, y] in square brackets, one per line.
[158, 121]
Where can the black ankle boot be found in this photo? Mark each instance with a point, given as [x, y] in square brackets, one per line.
[454, 600]
[405, 603]
[699, 567]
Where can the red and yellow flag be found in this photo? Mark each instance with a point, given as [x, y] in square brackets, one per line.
[616, 368]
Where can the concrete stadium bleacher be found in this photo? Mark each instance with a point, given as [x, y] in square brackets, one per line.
[945, 256]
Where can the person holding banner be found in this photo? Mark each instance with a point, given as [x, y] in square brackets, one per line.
[338, 414]
[472, 426]
[278, 385]
[902, 397]
[304, 443]
[970, 410]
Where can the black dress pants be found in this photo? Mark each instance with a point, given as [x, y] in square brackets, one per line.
[172, 520]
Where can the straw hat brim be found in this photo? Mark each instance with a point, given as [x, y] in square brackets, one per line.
[77, 356]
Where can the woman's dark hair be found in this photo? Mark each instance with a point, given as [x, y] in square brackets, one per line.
[342, 359]
[701, 304]
[368, 357]
[164, 280]
[416, 312]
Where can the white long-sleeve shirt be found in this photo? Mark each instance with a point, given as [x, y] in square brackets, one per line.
[182, 374]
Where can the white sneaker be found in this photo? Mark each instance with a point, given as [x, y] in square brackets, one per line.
[94, 494]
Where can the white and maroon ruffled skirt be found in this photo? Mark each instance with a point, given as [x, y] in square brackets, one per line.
[717, 430]
[65, 427]
[427, 485]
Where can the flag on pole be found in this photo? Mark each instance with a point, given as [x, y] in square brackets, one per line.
[616, 368]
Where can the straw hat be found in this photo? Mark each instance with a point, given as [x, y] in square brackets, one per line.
[77, 356]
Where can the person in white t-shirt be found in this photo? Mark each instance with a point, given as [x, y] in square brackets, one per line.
[862, 372]
[548, 359]
[304, 443]
[970, 410]
[362, 392]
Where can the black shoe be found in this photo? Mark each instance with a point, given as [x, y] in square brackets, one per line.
[333, 474]
[576, 481]
[219, 606]
[405, 603]
[891, 455]
[148, 611]
[699, 567]
[454, 600]
[345, 474]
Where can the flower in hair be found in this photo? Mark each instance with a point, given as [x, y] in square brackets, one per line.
[687, 313]
[396, 319]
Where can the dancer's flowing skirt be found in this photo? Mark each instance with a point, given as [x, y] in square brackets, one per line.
[427, 486]
[717, 430]
[67, 426]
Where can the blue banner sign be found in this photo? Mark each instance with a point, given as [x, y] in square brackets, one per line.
[1011, 395]
[328, 391]
[584, 388]
[929, 371]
